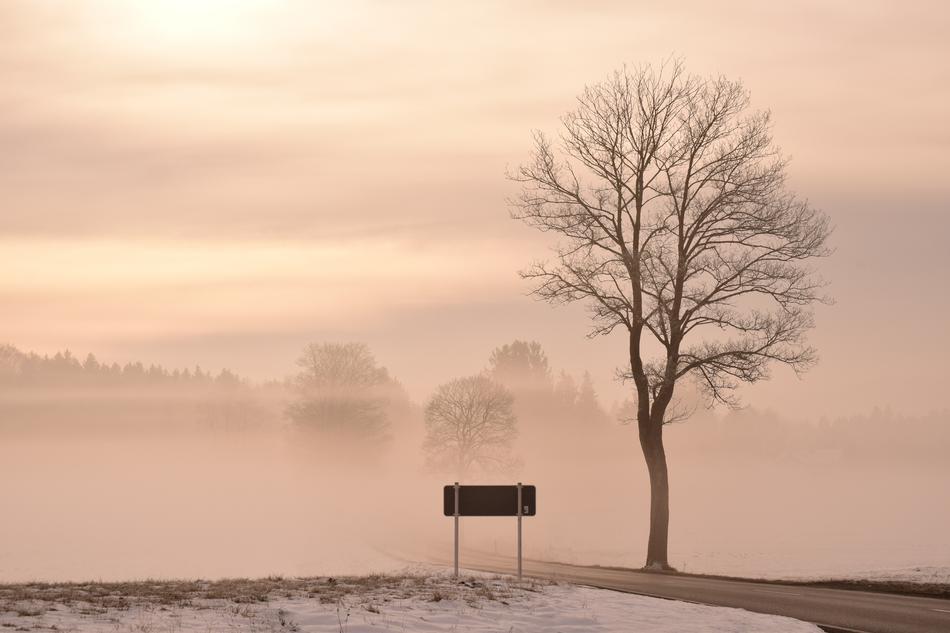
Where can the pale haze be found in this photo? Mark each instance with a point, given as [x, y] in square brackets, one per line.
[221, 183]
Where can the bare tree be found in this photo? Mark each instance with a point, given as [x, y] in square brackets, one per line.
[676, 226]
[470, 426]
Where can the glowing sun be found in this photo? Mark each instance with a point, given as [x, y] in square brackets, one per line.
[193, 23]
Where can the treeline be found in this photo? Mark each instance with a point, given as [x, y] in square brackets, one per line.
[880, 436]
[27, 369]
[340, 398]
[885, 432]
[514, 412]
[511, 414]
[60, 390]
[487, 423]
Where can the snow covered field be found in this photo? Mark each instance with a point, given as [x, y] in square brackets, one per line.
[924, 575]
[926, 563]
[414, 601]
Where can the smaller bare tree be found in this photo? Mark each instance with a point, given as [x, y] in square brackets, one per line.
[470, 426]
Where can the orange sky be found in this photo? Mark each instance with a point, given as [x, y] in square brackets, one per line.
[223, 181]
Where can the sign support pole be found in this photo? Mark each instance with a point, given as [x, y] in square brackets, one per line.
[520, 508]
[457, 528]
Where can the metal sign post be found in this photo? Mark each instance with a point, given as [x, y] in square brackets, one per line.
[519, 531]
[456, 529]
[489, 501]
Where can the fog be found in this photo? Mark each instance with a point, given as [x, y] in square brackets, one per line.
[136, 477]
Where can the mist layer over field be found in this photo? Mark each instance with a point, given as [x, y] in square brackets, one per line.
[751, 494]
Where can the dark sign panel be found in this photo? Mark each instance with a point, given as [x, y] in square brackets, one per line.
[489, 501]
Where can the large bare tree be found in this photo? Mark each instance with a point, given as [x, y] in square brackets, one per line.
[675, 225]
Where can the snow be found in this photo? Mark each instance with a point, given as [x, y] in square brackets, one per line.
[424, 602]
[922, 575]
[917, 565]
[923, 563]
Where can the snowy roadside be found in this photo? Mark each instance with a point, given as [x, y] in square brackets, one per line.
[925, 575]
[414, 601]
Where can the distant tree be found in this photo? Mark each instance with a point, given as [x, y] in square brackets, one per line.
[227, 378]
[64, 366]
[576, 404]
[520, 364]
[10, 358]
[587, 402]
[134, 372]
[676, 224]
[565, 390]
[342, 392]
[470, 426]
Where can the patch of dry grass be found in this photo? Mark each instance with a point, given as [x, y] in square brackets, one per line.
[96, 598]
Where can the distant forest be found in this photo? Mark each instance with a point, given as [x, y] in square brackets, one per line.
[27, 369]
[552, 409]
[61, 390]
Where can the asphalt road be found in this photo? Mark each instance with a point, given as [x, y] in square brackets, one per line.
[831, 609]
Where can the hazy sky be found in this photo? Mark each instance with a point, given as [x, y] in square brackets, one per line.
[222, 181]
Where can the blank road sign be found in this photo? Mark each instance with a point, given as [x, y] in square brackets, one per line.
[489, 501]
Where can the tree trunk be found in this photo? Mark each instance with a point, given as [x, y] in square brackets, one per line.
[651, 441]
